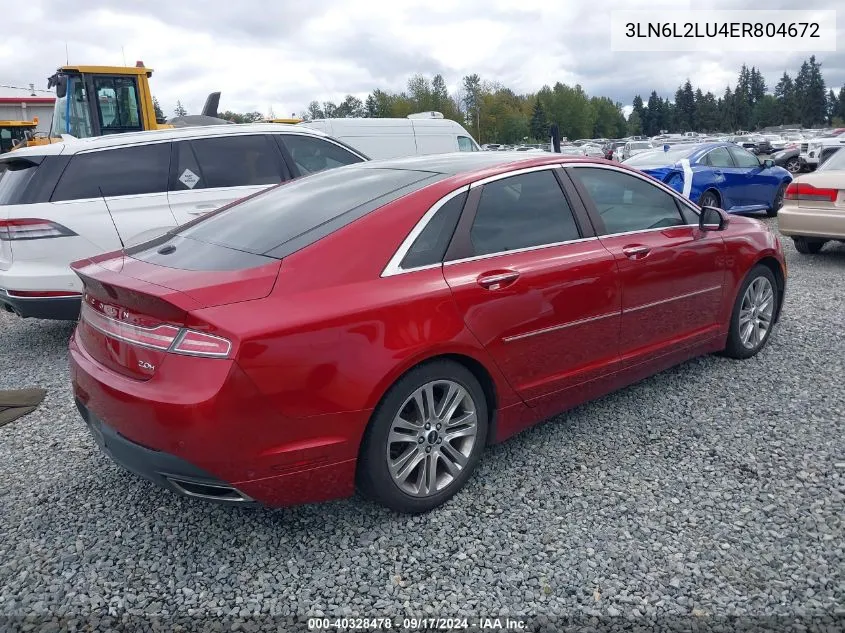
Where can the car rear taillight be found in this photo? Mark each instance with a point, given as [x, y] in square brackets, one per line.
[31, 229]
[806, 191]
[196, 343]
[164, 337]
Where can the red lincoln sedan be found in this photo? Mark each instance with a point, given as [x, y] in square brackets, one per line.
[379, 324]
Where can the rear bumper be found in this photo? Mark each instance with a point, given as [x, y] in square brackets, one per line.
[201, 423]
[795, 221]
[163, 469]
[55, 308]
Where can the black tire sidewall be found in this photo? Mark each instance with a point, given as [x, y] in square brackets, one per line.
[735, 348]
[702, 201]
[374, 478]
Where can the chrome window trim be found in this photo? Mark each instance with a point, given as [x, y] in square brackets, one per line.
[652, 181]
[516, 251]
[516, 172]
[393, 266]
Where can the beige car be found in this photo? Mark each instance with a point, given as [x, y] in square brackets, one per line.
[813, 209]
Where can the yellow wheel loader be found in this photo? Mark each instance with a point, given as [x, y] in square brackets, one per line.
[16, 133]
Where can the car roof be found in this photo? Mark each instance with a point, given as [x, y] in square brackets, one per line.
[74, 145]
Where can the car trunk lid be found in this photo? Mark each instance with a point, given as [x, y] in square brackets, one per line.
[134, 312]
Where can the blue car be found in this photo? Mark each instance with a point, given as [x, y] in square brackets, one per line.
[720, 175]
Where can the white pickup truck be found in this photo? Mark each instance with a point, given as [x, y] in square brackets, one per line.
[816, 150]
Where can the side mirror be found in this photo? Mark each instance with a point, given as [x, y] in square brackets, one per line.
[712, 219]
[768, 163]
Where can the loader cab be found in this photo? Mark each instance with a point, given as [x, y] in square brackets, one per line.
[100, 100]
[15, 133]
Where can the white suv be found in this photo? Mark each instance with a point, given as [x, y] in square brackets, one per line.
[67, 201]
[818, 149]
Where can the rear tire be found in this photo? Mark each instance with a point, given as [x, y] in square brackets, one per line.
[425, 438]
[753, 314]
[807, 245]
[709, 198]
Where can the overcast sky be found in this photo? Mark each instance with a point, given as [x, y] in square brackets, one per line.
[281, 55]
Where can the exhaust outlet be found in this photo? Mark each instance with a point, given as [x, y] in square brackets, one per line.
[210, 491]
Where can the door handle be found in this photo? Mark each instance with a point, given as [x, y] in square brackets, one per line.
[496, 280]
[636, 252]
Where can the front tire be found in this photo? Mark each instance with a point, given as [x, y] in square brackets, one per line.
[793, 165]
[425, 438]
[753, 314]
[807, 245]
[777, 203]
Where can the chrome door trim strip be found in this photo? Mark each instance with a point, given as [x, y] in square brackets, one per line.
[687, 295]
[562, 326]
[516, 251]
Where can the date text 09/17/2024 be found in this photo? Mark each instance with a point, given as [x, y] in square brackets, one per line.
[416, 624]
[721, 29]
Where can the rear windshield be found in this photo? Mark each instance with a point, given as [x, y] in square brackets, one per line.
[14, 177]
[286, 218]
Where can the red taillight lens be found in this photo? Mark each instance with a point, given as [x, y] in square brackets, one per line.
[165, 337]
[31, 229]
[201, 344]
[806, 191]
[159, 337]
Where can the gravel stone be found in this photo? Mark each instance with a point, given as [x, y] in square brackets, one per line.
[713, 489]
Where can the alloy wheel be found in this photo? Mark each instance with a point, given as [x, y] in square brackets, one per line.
[431, 438]
[793, 165]
[755, 313]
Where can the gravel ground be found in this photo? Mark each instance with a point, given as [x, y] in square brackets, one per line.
[714, 489]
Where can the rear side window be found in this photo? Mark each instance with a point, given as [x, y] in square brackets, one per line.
[311, 155]
[303, 210]
[521, 212]
[127, 171]
[236, 161]
[14, 178]
[430, 245]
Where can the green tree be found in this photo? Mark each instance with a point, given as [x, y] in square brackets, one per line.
[840, 108]
[785, 96]
[815, 104]
[472, 101]
[685, 107]
[832, 106]
[159, 113]
[350, 107]
[315, 111]
[180, 109]
[635, 124]
[539, 125]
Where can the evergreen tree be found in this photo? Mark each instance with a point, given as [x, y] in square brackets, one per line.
[159, 113]
[539, 127]
[785, 96]
[180, 109]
